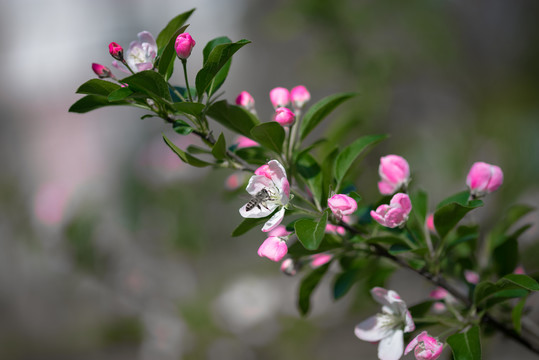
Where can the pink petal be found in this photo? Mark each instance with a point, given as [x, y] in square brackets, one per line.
[277, 170]
[386, 188]
[257, 183]
[273, 248]
[413, 343]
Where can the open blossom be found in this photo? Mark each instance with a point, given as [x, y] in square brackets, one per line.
[270, 192]
[299, 96]
[341, 205]
[388, 326]
[184, 45]
[484, 178]
[396, 213]
[274, 248]
[140, 55]
[394, 172]
[279, 97]
[425, 347]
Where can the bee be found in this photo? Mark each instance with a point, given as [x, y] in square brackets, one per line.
[258, 200]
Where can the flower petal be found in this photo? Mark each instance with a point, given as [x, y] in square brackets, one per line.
[391, 347]
[147, 37]
[413, 343]
[274, 221]
[372, 329]
[277, 170]
[257, 183]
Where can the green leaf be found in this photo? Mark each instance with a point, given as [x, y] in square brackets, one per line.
[351, 152]
[233, 117]
[150, 83]
[185, 157]
[516, 314]
[222, 74]
[327, 175]
[165, 66]
[190, 108]
[97, 87]
[92, 102]
[451, 210]
[466, 346]
[419, 205]
[193, 149]
[515, 213]
[310, 232]
[307, 286]
[253, 155]
[219, 148]
[311, 172]
[182, 128]
[487, 294]
[506, 257]
[119, 94]
[168, 32]
[248, 224]
[218, 57]
[320, 110]
[345, 280]
[270, 135]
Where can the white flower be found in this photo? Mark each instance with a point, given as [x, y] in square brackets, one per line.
[388, 326]
[270, 190]
[140, 55]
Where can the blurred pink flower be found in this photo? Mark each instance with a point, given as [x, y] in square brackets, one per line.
[484, 178]
[299, 96]
[395, 173]
[274, 248]
[471, 276]
[244, 142]
[50, 203]
[140, 55]
[284, 116]
[318, 260]
[280, 97]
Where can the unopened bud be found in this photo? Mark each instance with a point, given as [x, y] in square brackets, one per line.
[279, 97]
[299, 96]
[184, 45]
[116, 51]
[484, 178]
[284, 116]
[101, 71]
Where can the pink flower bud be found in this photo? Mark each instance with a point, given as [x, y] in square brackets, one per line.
[341, 205]
[116, 51]
[318, 260]
[471, 276]
[396, 213]
[244, 142]
[335, 229]
[438, 294]
[184, 45]
[279, 97]
[299, 96]
[430, 223]
[279, 231]
[101, 71]
[233, 182]
[395, 173]
[274, 248]
[284, 116]
[245, 100]
[483, 179]
[289, 267]
[425, 347]
[519, 270]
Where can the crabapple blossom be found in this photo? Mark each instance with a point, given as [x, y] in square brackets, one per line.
[289, 267]
[116, 51]
[233, 181]
[318, 260]
[425, 347]
[396, 213]
[184, 45]
[274, 248]
[341, 205]
[395, 173]
[269, 193]
[483, 179]
[102, 71]
[335, 229]
[299, 96]
[246, 101]
[284, 116]
[244, 142]
[140, 55]
[280, 97]
[471, 276]
[388, 326]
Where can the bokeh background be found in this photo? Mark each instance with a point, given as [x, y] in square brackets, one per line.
[111, 248]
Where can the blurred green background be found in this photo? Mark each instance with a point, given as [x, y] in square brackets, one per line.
[111, 248]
